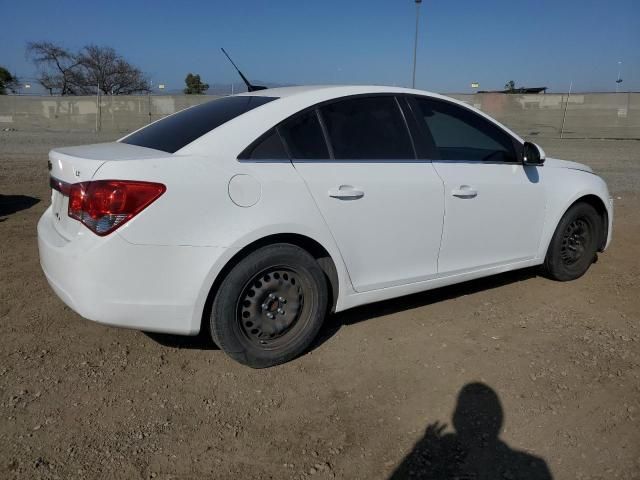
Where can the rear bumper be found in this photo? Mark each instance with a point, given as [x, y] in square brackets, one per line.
[114, 282]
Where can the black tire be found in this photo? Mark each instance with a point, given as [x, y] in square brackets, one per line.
[270, 306]
[574, 244]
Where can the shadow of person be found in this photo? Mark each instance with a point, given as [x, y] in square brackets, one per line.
[474, 451]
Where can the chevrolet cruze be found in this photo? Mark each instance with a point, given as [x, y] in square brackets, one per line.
[254, 216]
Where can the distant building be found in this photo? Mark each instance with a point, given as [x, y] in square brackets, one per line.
[518, 90]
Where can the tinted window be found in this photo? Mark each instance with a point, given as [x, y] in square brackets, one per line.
[304, 137]
[460, 134]
[270, 147]
[174, 132]
[367, 128]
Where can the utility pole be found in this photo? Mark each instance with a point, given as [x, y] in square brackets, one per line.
[415, 43]
[149, 100]
[98, 107]
[564, 115]
[619, 80]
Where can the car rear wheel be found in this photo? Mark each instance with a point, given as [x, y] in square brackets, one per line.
[574, 244]
[270, 306]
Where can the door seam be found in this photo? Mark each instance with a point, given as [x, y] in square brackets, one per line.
[444, 214]
[326, 224]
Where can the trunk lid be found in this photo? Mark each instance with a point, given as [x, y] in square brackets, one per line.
[79, 164]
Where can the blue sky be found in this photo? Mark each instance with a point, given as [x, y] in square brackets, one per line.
[535, 43]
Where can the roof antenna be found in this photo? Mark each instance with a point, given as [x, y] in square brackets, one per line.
[250, 88]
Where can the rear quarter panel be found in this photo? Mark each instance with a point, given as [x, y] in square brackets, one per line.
[197, 211]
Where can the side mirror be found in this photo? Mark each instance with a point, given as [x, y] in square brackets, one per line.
[532, 154]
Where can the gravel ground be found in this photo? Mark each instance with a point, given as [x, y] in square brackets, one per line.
[536, 379]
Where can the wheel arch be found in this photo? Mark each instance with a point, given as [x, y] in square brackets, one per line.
[313, 247]
[596, 202]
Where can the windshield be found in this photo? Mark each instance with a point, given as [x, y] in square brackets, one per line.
[174, 132]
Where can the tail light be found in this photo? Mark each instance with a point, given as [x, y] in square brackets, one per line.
[105, 205]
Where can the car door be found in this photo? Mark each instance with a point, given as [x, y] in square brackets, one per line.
[382, 205]
[494, 206]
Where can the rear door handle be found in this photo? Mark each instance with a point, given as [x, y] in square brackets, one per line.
[464, 191]
[346, 192]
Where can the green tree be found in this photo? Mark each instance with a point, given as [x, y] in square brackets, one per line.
[510, 86]
[7, 81]
[195, 85]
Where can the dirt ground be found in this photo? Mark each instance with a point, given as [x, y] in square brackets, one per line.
[545, 376]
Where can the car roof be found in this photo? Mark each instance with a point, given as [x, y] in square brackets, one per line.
[335, 90]
[232, 137]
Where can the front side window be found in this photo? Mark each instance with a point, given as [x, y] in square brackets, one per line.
[460, 134]
[176, 131]
[303, 136]
[367, 128]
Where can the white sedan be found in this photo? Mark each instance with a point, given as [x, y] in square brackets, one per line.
[254, 216]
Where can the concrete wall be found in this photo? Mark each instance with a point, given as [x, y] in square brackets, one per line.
[122, 113]
[593, 115]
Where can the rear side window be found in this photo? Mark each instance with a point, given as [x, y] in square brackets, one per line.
[460, 134]
[270, 147]
[367, 128]
[304, 138]
[176, 131]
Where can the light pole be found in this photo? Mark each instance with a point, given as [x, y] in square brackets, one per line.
[619, 80]
[415, 42]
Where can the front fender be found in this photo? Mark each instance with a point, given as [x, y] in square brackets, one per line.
[560, 199]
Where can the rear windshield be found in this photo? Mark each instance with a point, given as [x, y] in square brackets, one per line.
[174, 132]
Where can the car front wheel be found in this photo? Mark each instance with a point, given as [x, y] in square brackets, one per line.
[270, 306]
[574, 244]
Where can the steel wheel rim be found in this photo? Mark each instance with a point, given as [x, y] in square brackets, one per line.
[575, 241]
[272, 307]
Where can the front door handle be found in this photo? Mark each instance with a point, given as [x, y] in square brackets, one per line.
[464, 191]
[346, 192]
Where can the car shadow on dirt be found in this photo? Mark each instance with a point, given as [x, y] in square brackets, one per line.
[10, 204]
[332, 325]
[474, 449]
[409, 302]
[202, 341]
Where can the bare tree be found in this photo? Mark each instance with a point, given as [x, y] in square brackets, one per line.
[68, 73]
[103, 68]
[59, 68]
